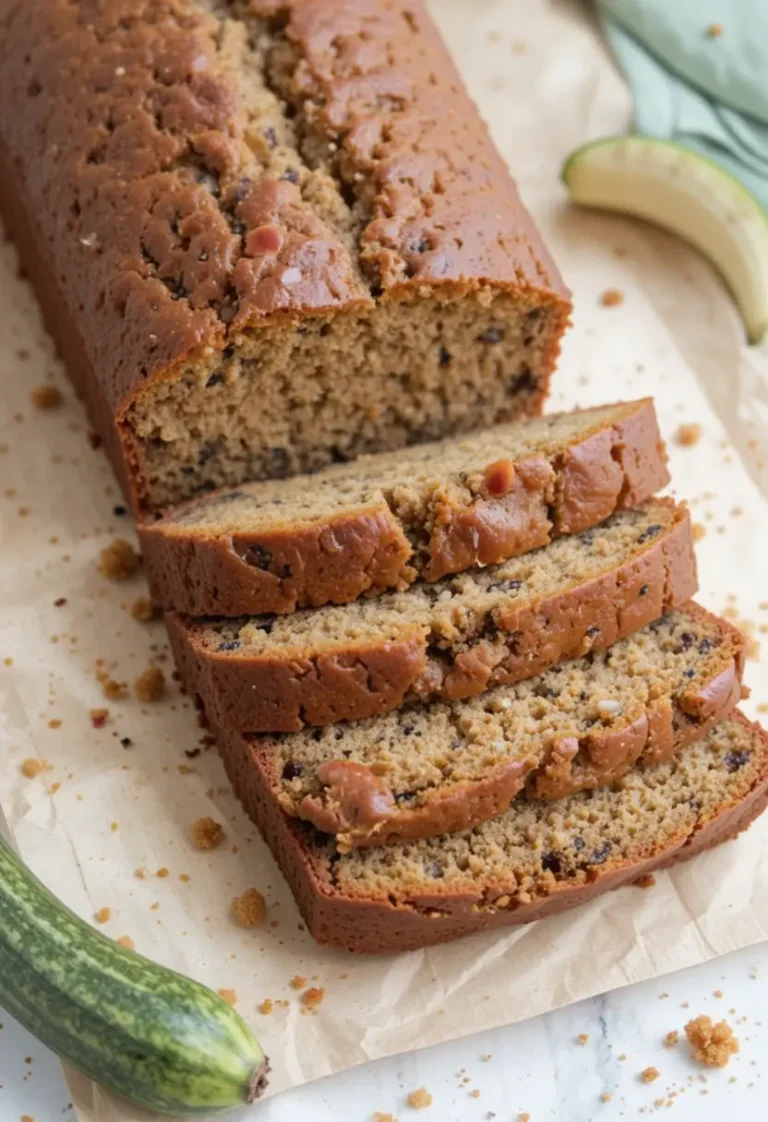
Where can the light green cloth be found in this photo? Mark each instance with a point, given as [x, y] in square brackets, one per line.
[709, 93]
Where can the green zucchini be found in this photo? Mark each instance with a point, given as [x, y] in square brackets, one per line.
[147, 1033]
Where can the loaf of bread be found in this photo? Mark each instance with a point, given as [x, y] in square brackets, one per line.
[428, 770]
[447, 640]
[267, 236]
[537, 859]
[388, 519]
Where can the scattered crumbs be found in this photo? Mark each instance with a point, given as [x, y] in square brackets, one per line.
[99, 717]
[114, 827]
[126, 742]
[688, 435]
[647, 880]
[649, 1074]
[714, 31]
[227, 995]
[250, 908]
[112, 690]
[154, 907]
[486, 1057]
[143, 610]
[32, 767]
[127, 942]
[419, 1099]
[312, 997]
[54, 723]
[523, 1116]
[150, 684]
[46, 397]
[162, 873]
[611, 298]
[379, 1117]
[118, 560]
[623, 1056]
[266, 1007]
[718, 993]
[736, 511]
[207, 833]
[27, 1118]
[140, 874]
[698, 531]
[184, 877]
[59, 602]
[605, 1097]
[583, 1038]
[474, 1094]
[671, 1039]
[7, 661]
[102, 915]
[711, 1043]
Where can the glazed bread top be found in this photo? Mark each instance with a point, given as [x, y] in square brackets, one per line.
[155, 148]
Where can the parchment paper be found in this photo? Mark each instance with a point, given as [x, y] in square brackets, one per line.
[546, 84]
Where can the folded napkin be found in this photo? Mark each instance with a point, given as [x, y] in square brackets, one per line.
[698, 71]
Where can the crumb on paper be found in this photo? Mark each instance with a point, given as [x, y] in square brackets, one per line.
[162, 873]
[54, 723]
[118, 560]
[250, 908]
[379, 1117]
[612, 297]
[33, 767]
[419, 1099]
[671, 1039]
[647, 880]
[605, 1097]
[649, 1074]
[718, 993]
[27, 1118]
[227, 995]
[114, 827]
[99, 717]
[207, 833]
[266, 1007]
[714, 31]
[312, 997]
[127, 942]
[711, 1043]
[688, 435]
[698, 531]
[143, 610]
[150, 684]
[582, 1038]
[46, 397]
[523, 1116]
[112, 690]
[297, 982]
[140, 874]
[102, 915]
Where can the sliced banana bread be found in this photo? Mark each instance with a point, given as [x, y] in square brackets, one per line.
[432, 769]
[267, 236]
[537, 859]
[385, 520]
[449, 640]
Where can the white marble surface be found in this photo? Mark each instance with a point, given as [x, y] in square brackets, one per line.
[538, 1066]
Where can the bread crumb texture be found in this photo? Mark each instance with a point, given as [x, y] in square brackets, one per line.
[671, 1039]
[688, 435]
[127, 942]
[266, 1007]
[118, 560]
[298, 982]
[647, 880]
[312, 997]
[379, 1117]
[46, 397]
[649, 1074]
[611, 298]
[419, 1099]
[227, 995]
[249, 909]
[583, 1038]
[33, 767]
[207, 833]
[103, 915]
[150, 684]
[143, 610]
[712, 1043]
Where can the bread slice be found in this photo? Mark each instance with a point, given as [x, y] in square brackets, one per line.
[448, 640]
[537, 859]
[433, 769]
[385, 520]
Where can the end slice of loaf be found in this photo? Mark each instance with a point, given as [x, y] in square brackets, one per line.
[448, 640]
[385, 520]
[537, 859]
[430, 770]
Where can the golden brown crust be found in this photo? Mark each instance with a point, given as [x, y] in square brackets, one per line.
[334, 560]
[117, 117]
[276, 693]
[377, 926]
